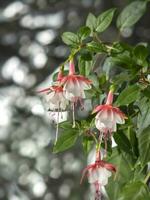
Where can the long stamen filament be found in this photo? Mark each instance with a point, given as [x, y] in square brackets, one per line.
[57, 127]
[73, 115]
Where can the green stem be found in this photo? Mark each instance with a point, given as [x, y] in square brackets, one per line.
[73, 53]
[146, 178]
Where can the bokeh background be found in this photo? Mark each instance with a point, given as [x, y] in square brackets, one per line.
[31, 49]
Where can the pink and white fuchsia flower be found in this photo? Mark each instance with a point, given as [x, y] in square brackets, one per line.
[56, 99]
[98, 174]
[108, 116]
[74, 86]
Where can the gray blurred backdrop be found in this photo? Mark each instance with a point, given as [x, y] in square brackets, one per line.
[30, 50]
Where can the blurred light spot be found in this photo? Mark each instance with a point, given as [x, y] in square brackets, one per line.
[15, 8]
[28, 148]
[37, 21]
[10, 66]
[55, 162]
[55, 173]
[61, 51]
[18, 75]
[39, 189]
[49, 196]
[127, 32]
[87, 3]
[5, 114]
[38, 109]
[64, 191]
[39, 60]
[29, 80]
[14, 197]
[45, 37]
[42, 163]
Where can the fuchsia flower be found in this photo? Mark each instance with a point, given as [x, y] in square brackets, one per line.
[98, 174]
[108, 116]
[74, 86]
[55, 95]
[56, 99]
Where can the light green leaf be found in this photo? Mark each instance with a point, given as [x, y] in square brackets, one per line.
[70, 38]
[104, 20]
[144, 146]
[65, 141]
[131, 14]
[128, 95]
[91, 22]
[135, 191]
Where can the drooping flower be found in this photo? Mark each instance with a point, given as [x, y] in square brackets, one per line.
[108, 116]
[56, 98]
[98, 174]
[74, 86]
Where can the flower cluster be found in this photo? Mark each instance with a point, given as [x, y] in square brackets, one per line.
[66, 89]
[70, 89]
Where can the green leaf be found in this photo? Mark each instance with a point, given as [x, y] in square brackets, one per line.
[86, 55]
[104, 20]
[131, 14]
[128, 95]
[96, 47]
[143, 119]
[135, 191]
[84, 66]
[70, 38]
[65, 141]
[87, 144]
[144, 146]
[124, 174]
[123, 142]
[91, 22]
[84, 32]
[134, 142]
[141, 53]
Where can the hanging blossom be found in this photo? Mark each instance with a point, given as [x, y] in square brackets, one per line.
[98, 174]
[55, 97]
[74, 86]
[108, 117]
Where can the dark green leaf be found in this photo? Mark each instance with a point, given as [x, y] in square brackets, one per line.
[84, 32]
[128, 95]
[65, 141]
[85, 55]
[123, 142]
[91, 22]
[141, 53]
[143, 119]
[134, 142]
[70, 38]
[144, 146]
[96, 47]
[104, 20]
[135, 191]
[131, 14]
[146, 92]
[124, 174]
